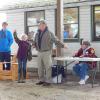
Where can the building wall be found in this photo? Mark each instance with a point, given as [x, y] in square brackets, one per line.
[50, 18]
[16, 21]
[85, 27]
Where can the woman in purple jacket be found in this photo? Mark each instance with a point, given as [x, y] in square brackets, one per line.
[22, 55]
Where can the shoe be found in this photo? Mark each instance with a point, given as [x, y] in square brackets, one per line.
[46, 84]
[86, 78]
[82, 82]
[23, 81]
[19, 81]
[40, 83]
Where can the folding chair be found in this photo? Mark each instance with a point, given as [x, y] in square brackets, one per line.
[93, 72]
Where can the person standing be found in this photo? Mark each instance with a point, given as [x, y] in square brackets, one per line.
[6, 40]
[23, 55]
[43, 42]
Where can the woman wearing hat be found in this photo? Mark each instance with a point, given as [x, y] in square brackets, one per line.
[81, 68]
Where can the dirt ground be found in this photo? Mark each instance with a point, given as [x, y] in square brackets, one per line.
[29, 91]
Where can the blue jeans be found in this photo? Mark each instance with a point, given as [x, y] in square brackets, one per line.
[81, 70]
[22, 68]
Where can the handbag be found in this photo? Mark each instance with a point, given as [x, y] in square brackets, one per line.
[29, 54]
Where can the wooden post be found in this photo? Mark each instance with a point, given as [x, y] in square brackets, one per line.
[59, 23]
[14, 71]
[1, 66]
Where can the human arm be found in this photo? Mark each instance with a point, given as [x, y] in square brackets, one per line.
[57, 42]
[79, 53]
[17, 40]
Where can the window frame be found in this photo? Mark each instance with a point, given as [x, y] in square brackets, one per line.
[26, 17]
[74, 39]
[93, 25]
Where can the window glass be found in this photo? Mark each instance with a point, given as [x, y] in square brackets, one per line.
[70, 23]
[33, 19]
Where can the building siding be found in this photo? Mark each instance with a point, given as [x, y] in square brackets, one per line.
[16, 21]
[85, 22]
[50, 18]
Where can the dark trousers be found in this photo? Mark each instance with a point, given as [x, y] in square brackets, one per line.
[5, 57]
[22, 68]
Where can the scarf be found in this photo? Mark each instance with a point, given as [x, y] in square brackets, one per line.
[40, 35]
[85, 51]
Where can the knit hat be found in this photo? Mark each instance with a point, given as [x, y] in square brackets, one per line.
[86, 43]
[42, 22]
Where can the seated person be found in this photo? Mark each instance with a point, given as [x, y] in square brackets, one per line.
[81, 68]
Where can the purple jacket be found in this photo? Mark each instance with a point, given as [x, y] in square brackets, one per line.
[23, 48]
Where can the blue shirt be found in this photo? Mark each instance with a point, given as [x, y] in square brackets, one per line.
[6, 40]
[65, 34]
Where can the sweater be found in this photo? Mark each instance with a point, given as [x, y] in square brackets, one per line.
[6, 40]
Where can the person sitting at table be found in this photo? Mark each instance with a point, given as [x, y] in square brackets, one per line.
[81, 68]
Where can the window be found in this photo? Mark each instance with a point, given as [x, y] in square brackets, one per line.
[71, 24]
[70, 1]
[32, 20]
[96, 23]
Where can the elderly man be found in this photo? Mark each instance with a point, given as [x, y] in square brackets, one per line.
[44, 40]
[81, 68]
[6, 40]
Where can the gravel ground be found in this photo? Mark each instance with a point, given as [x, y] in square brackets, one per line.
[29, 91]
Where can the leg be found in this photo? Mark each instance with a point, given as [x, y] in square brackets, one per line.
[24, 68]
[83, 70]
[76, 69]
[41, 68]
[7, 58]
[47, 63]
[2, 59]
[19, 69]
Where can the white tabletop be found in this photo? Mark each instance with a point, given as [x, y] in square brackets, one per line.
[76, 59]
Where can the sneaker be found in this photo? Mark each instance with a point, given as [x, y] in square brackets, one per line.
[46, 84]
[40, 83]
[82, 82]
[86, 78]
[19, 81]
[23, 81]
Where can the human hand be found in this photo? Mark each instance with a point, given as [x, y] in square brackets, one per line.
[81, 56]
[33, 46]
[65, 47]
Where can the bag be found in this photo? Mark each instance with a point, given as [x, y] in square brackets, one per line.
[58, 73]
[29, 54]
[59, 70]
